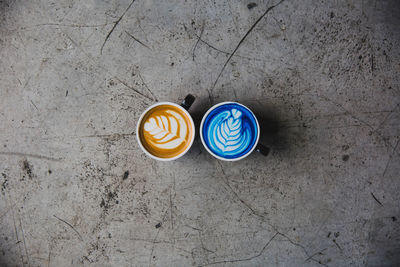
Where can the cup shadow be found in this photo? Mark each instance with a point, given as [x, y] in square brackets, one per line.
[272, 134]
[197, 112]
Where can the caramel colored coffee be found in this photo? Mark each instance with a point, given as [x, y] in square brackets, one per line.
[166, 131]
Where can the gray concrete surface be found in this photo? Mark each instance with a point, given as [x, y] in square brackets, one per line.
[323, 76]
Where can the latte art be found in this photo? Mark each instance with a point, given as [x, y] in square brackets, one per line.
[229, 131]
[166, 131]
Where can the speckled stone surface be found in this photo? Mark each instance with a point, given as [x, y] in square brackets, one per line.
[322, 76]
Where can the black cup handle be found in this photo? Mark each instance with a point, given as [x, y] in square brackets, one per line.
[263, 150]
[188, 101]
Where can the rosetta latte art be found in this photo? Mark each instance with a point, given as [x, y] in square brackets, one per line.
[229, 135]
[166, 131]
[229, 130]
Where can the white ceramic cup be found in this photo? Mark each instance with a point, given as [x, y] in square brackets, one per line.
[185, 105]
[256, 146]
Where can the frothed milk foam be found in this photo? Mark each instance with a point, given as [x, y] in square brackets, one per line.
[229, 130]
[165, 131]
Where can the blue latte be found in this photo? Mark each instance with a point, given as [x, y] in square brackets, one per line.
[230, 130]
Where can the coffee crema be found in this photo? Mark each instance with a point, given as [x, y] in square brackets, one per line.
[166, 131]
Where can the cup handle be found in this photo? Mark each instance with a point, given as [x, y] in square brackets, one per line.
[188, 101]
[263, 150]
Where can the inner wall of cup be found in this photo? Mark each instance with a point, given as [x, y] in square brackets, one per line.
[220, 128]
[162, 142]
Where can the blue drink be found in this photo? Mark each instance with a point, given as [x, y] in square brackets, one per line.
[229, 131]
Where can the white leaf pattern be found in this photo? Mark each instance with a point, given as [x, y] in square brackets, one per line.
[164, 130]
[228, 134]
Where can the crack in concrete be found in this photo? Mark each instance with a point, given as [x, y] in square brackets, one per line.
[236, 195]
[19, 154]
[137, 40]
[238, 45]
[249, 258]
[198, 40]
[115, 25]
[73, 228]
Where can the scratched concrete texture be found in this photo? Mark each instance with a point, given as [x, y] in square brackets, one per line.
[322, 77]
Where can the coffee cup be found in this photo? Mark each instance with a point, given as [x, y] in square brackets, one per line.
[165, 130]
[230, 131]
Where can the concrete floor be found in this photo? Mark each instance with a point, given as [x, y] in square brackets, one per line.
[323, 77]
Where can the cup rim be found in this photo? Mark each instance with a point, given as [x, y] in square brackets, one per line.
[141, 118]
[209, 150]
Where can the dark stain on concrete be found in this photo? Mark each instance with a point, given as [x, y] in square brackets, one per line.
[102, 203]
[27, 168]
[4, 183]
[251, 5]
